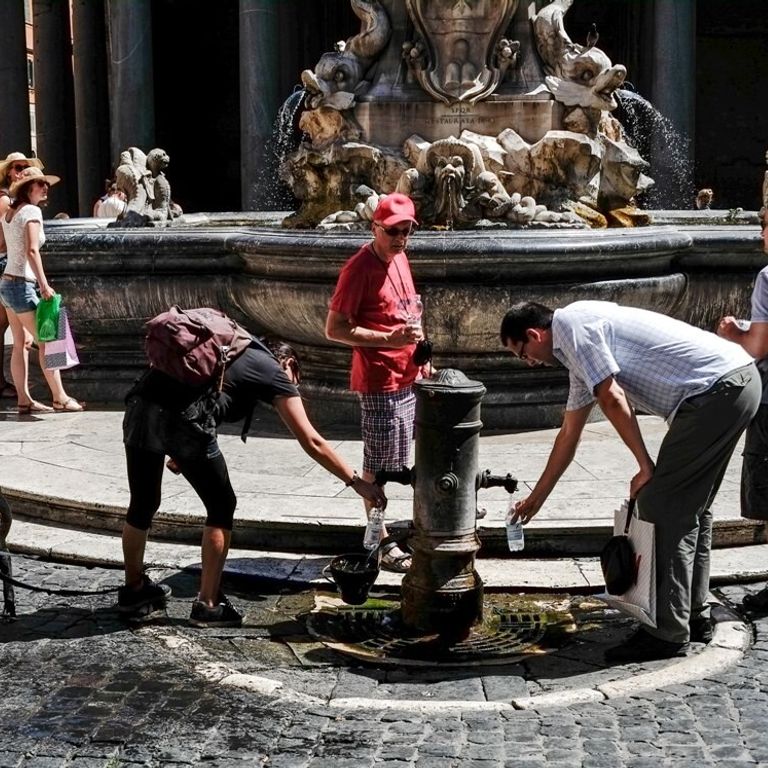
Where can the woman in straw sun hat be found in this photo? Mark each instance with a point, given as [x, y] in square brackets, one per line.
[10, 168]
[24, 236]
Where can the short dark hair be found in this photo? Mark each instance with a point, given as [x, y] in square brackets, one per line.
[524, 315]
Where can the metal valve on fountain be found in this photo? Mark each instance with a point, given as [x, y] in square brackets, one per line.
[442, 591]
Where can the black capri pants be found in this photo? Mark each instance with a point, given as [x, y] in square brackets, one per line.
[151, 433]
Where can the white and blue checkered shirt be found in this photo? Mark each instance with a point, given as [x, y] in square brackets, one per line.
[658, 361]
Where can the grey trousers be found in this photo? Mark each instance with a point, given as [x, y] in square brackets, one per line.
[754, 469]
[689, 469]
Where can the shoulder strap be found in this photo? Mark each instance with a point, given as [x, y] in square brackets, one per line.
[630, 511]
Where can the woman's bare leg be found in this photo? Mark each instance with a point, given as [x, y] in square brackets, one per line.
[4, 323]
[22, 341]
[53, 378]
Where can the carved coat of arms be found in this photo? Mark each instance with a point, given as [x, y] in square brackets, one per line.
[460, 38]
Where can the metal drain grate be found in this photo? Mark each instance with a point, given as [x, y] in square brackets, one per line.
[378, 635]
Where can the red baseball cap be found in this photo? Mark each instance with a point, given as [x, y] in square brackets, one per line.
[393, 209]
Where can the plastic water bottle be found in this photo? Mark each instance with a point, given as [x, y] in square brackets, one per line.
[374, 528]
[515, 535]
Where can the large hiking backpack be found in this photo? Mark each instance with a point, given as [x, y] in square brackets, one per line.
[194, 346]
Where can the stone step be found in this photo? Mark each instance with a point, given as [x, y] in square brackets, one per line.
[297, 570]
[294, 529]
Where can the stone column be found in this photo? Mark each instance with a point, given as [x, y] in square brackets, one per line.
[14, 96]
[259, 101]
[54, 100]
[132, 98]
[94, 161]
[673, 94]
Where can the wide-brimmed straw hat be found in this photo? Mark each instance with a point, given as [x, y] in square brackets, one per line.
[17, 157]
[27, 176]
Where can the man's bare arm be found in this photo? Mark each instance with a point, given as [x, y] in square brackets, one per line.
[754, 340]
[339, 327]
[617, 409]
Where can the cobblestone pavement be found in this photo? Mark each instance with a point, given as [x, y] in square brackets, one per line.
[82, 689]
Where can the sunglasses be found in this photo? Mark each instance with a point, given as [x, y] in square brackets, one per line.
[19, 168]
[395, 231]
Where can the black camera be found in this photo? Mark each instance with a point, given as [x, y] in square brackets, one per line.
[423, 352]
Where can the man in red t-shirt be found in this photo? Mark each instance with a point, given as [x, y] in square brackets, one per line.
[370, 311]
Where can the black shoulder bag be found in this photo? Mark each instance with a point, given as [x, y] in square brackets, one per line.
[618, 559]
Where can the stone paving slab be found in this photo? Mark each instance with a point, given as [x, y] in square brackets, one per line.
[67, 471]
[82, 689]
[273, 653]
[296, 570]
[79, 458]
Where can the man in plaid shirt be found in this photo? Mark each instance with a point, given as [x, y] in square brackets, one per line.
[706, 388]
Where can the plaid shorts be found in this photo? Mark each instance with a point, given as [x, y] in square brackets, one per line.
[387, 427]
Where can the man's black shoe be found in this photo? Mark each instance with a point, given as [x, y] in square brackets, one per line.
[701, 630]
[644, 647]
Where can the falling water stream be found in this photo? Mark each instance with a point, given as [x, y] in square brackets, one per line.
[285, 139]
[656, 139]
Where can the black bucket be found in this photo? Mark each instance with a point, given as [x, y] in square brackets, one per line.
[354, 574]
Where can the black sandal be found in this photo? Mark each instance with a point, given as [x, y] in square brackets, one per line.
[393, 559]
[757, 601]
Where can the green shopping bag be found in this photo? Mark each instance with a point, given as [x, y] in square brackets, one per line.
[47, 318]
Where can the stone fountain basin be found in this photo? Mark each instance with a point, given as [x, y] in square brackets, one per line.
[279, 282]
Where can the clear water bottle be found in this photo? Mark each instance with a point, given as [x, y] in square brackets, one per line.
[374, 528]
[515, 535]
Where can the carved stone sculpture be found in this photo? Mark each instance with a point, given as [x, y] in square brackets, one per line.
[141, 178]
[338, 76]
[581, 77]
[493, 69]
[460, 55]
[622, 175]
[704, 199]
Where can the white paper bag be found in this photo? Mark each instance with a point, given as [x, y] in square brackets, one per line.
[639, 600]
[61, 353]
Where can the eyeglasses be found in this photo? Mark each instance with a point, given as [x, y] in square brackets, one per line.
[521, 355]
[19, 168]
[395, 231]
[42, 184]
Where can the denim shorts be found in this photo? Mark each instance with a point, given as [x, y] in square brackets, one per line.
[19, 295]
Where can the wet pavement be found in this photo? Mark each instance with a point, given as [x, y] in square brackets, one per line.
[83, 689]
